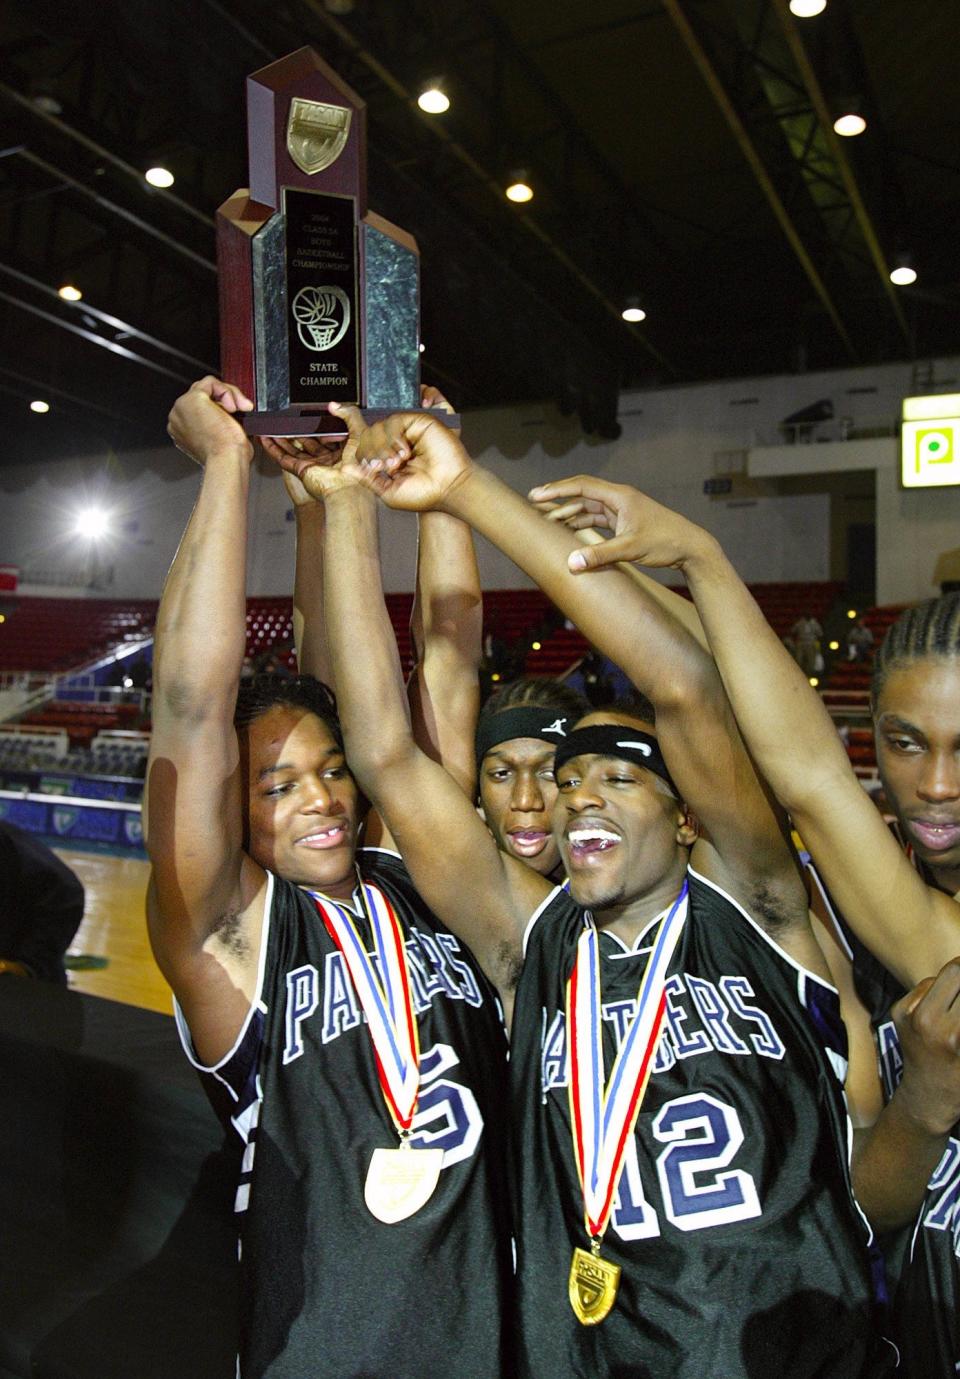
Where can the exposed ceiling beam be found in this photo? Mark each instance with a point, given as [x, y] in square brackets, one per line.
[93, 337]
[749, 150]
[819, 103]
[481, 174]
[103, 154]
[113, 322]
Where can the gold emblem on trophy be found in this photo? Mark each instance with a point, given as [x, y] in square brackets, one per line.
[592, 1286]
[316, 133]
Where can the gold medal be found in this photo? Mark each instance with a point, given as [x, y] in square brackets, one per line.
[400, 1181]
[593, 1285]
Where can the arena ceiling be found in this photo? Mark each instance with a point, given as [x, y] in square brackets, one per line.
[679, 150]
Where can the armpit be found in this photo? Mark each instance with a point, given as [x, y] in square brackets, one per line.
[229, 933]
[508, 961]
[775, 911]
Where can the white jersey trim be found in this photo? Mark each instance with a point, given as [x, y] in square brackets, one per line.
[536, 915]
[257, 1003]
[797, 966]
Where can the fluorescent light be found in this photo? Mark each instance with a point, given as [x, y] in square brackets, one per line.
[159, 177]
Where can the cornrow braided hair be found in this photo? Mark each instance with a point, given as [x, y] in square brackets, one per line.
[537, 691]
[930, 629]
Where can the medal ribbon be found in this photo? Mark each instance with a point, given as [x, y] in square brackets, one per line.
[386, 999]
[603, 1121]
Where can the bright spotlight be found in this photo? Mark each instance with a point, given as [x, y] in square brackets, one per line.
[807, 9]
[848, 126]
[433, 99]
[159, 177]
[92, 523]
[39, 405]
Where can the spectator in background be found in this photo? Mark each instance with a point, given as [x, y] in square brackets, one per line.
[806, 633]
[859, 641]
[41, 906]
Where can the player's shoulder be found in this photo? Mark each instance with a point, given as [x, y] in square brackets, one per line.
[556, 919]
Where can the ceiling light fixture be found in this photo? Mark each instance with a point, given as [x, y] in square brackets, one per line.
[69, 292]
[633, 311]
[433, 99]
[850, 122]
[92, 522]
[519, 189]
[47, 103]
[903, 272]
[38, 405]
[159, 177]
[807, 9]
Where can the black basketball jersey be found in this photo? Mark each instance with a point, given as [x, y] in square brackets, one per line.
[926, 1300]
[743, 1253]
[327, 1289]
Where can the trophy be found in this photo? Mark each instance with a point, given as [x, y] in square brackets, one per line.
[319, 297]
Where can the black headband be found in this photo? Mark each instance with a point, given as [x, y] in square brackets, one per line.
[615, 740]
[526, 720]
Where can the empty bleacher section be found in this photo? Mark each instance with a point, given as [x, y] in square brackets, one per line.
[48, 634]
[87, 737]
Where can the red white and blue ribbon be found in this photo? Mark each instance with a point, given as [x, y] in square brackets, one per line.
[603, 1120]
[383, 990]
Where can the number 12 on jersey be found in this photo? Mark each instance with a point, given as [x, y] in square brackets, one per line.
[699, 1188]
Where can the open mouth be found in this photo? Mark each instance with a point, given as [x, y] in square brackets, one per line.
[323, 838]
[935, 837]
[528, 842]
[587, 842]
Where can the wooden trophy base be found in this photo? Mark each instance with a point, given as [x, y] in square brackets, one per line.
[310, 421]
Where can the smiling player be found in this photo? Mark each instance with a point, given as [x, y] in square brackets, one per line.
[903, 910]
[708, 1225]
[344, 1034]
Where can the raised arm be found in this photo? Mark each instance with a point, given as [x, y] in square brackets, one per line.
[411, 463]
[455, 864]
[202, 910]
[445, 626]
[913, 929]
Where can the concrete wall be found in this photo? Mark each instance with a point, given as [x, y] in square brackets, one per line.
[673, 440]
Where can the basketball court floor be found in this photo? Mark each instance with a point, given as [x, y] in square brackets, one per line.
[114, 928]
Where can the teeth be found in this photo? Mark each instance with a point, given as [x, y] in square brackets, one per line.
[579, 836]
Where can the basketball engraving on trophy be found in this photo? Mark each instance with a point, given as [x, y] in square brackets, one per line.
[322, 315]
